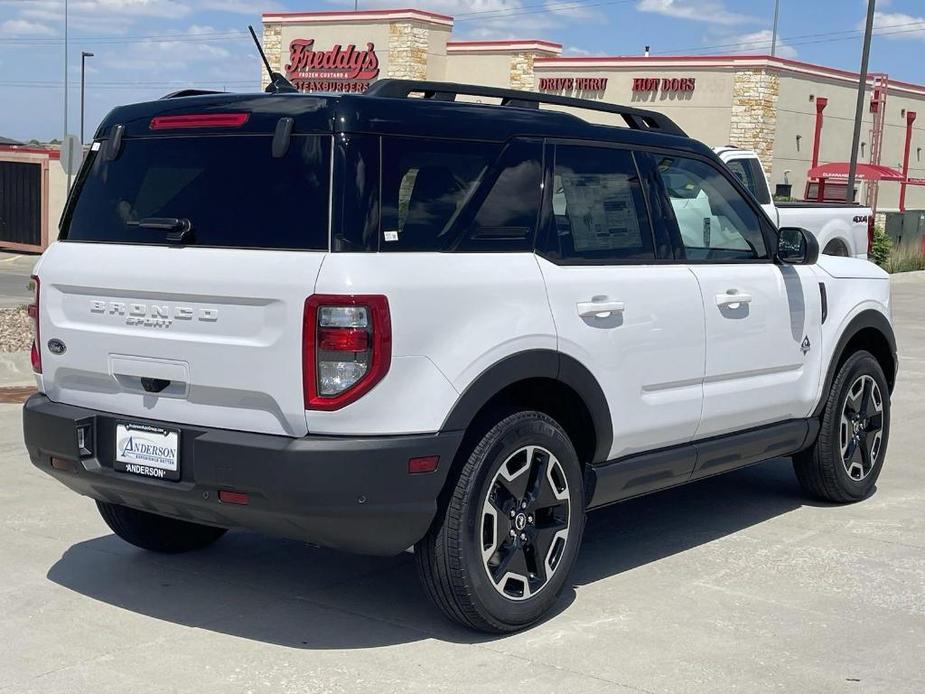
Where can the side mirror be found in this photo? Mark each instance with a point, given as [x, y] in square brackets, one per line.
[797, 246]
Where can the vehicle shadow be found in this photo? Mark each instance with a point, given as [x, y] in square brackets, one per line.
[291, 594]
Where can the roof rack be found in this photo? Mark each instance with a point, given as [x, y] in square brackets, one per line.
[636, 118]
[190, 92]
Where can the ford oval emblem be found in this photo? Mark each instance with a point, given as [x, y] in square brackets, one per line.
[55, 346]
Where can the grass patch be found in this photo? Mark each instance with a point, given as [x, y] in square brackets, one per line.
[904, 258]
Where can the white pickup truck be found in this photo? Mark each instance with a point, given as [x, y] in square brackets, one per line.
[843, 230]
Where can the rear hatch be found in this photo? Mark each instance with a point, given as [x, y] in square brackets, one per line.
[188, 250]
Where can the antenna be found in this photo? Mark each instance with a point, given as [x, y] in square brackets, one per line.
[278, 83]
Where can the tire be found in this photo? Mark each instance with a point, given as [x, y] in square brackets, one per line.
[844, 463]
[836, 248]
[469, 564]
[157, 533]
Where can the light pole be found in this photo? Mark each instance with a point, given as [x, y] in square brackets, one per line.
[774, 28]
[63, 137]
[859, 107]
[83, 61]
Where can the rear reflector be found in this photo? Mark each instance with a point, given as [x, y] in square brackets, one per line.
[200, 120]
[64, 464]
[425, 464]
[226, 496]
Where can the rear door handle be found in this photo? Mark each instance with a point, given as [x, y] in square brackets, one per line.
[733, 297]
[599, 309]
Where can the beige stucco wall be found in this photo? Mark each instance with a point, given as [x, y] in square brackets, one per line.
[797, 116]
[57, 196]
[704, 113]
[488, 69]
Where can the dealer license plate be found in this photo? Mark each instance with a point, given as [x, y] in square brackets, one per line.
[151, 451]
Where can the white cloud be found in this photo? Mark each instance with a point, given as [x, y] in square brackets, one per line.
[710, 11]
[495, 19]
[241, 6]
[23, 27]
[574, 50]
[760, 42]
[897, 25]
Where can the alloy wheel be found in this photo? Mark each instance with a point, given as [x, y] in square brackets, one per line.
[525, 522]
[861, 428]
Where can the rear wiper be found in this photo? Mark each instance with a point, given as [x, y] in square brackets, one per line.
[179, 229]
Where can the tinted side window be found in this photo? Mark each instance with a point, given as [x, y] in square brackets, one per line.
[507, 204]
[714, 221]
[232, 189]
[750, 175]
[598, 206]
[425, 186]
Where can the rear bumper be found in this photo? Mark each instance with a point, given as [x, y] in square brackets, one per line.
[350, 493]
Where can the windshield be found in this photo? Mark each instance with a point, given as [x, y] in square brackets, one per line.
[229, 190]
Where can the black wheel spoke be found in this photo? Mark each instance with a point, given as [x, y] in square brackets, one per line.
[511, 560]
[866, 398]
[874, 423]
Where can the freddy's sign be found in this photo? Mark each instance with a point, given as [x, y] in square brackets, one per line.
[336, 70]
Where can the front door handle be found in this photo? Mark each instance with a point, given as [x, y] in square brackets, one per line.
[599, 309]
[733, 297]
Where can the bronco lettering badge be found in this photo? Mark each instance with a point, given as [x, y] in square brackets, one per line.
[152, 315]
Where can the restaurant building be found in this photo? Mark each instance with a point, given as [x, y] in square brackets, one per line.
[793, 114]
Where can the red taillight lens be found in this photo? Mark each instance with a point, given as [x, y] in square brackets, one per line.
[346, 348]
[871, 221]
[33, 311]
[200, 120]
[343, 339]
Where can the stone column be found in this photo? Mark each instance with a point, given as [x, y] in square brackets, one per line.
[522, 75]
[754, 112]
[408, 50]
[273, 47]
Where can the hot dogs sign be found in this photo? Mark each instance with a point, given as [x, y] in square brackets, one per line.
[339, 69]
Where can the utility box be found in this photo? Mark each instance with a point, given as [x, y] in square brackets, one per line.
[906, 228]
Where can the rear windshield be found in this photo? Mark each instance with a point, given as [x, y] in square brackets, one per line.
[231, 189]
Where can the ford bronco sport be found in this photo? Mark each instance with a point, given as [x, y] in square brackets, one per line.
[381, 321]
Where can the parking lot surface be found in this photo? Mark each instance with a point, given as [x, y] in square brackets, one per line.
[736, 583]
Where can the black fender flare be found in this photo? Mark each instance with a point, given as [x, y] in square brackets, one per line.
[868, 318]
[537, 363]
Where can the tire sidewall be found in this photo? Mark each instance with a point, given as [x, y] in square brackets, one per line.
[860, 364]
[505, 439]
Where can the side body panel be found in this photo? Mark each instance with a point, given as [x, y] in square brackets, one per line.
[453, 316]
[648, 357]
[763, 355]
[831, 224]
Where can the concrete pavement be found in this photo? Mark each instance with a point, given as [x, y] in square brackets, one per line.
[736, 583]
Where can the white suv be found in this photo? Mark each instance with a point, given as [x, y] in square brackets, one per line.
[376, 322]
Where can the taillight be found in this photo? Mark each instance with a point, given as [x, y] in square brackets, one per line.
[346, 348]
[199, 120]
[870, 232]
[33, 311]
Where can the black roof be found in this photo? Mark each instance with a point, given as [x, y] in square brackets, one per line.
[384, 110]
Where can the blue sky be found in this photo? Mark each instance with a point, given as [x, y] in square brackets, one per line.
[145, 48]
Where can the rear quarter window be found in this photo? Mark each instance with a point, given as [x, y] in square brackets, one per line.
[231, 189]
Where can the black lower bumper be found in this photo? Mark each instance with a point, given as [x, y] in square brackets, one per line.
[350, 493]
